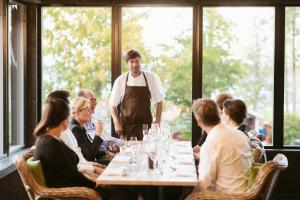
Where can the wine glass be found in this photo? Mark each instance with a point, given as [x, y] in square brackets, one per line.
[153, 155]
[155, 128]
[145, 130]
[133, 140]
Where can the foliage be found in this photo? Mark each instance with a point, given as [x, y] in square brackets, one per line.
[77, 42]
[258, 67]
[220, 70]
[77, 48]
[292, 37]
[176, 72]
[132, 36]
[291, 128]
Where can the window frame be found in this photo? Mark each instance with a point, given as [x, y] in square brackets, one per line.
[6, 77]
[278, 95]
[21, 63]
[198, 51]
[1, 78]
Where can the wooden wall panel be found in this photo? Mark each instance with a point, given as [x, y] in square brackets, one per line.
[11, 187]
[32, 83]
[289, 180]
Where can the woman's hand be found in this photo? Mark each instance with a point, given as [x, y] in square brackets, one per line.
[92, 178]
[98, 170]
[99, 128]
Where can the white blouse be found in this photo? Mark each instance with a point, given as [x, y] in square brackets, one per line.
[69, 139]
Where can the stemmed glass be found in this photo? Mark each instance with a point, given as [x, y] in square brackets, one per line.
[133, 141]
[145, 131]
[153, 155]
[155, 128]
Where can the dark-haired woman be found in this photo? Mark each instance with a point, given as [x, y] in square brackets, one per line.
[233, 114]
[59, 162]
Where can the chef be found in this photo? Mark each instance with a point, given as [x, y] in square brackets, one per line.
[135, 91]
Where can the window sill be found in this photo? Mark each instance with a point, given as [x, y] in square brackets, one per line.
[6, 164]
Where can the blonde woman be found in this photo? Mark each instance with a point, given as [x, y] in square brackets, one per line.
[80, 111]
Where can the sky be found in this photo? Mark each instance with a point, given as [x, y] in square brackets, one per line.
[163, 24]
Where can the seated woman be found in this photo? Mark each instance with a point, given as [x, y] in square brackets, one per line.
[84, 166]
[59, 162]
[233, 115]
[81, 114]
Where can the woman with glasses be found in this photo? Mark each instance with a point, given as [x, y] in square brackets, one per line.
[80, 111]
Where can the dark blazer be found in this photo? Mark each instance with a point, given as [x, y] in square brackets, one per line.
[244, 128]
[59, 164]
[90, 151]
[202, 138]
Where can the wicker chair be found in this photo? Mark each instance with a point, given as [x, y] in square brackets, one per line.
[261, 189]
[36, 191]
[257, 154]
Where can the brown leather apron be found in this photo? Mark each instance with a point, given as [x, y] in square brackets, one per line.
[135, 110]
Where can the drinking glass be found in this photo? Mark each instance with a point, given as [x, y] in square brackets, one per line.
[153, 155]
[155, 128]
[133, 141]
[145, 130]
[122, 149]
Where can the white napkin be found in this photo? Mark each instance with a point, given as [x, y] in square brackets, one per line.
[184, 150]
[122, 158]
[114, 172]
[183, 144]
[185, 168]
[185, 160]
[181, 173]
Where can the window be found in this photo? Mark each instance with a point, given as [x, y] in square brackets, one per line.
[16, 65]
[292, 77]
[76, 53]
[1, 79]
[163, 36]
[238, 58]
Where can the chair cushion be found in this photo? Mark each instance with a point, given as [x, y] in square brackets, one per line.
[253, 172]
[35, 167]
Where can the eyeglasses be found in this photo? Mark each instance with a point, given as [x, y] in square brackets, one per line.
[85, 108]
[93, 99]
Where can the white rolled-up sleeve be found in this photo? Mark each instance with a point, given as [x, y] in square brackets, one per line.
[115, 96]
[156, 89]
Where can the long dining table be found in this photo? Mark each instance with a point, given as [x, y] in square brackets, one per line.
[178, 170]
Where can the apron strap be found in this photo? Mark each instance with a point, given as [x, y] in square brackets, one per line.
[124, 89]
[147, 84]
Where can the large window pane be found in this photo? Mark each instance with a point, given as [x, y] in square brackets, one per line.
[238, 58]
[16, 61]
[163, 36]
[1, 78]
[292, 77]
[76, 53]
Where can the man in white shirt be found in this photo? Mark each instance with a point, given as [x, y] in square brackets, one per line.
[135, 90]
[225, 156]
